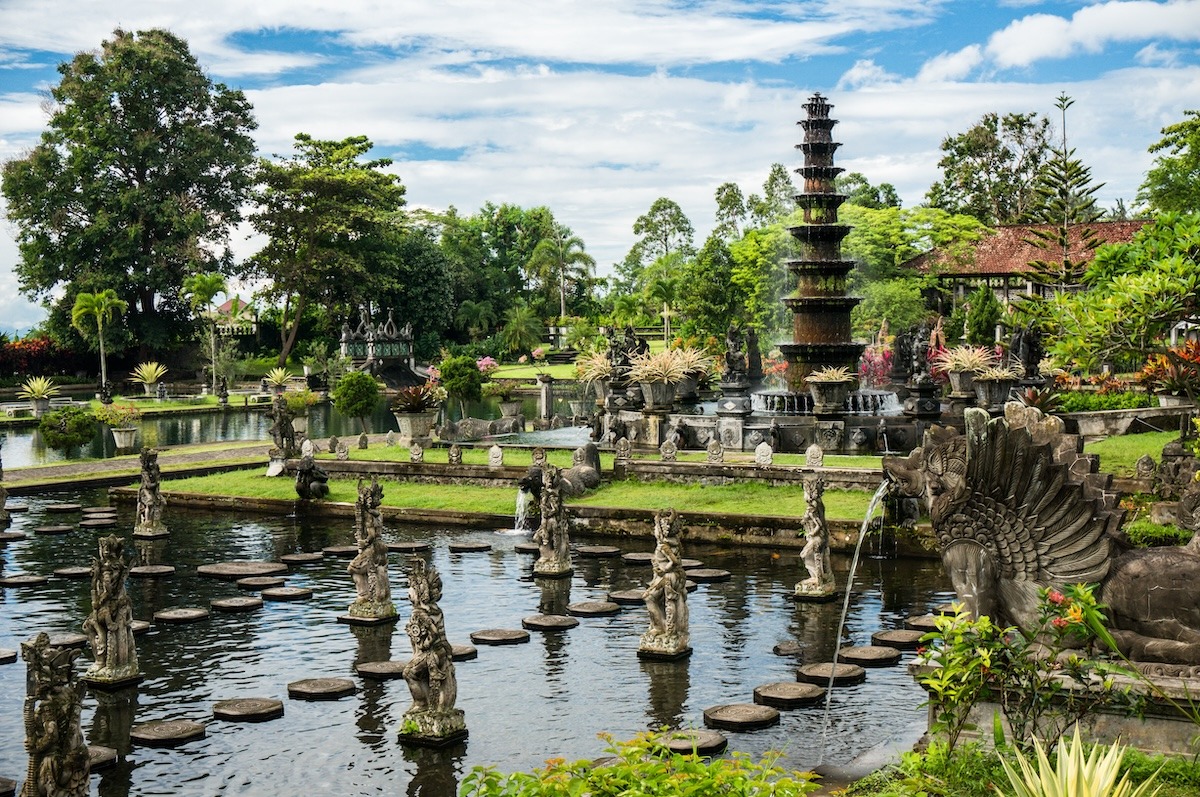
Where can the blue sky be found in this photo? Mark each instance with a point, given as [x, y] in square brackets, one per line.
[597, 108]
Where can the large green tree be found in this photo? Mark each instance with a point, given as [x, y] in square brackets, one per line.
[97, 310]
[882, 239]
[201, 291]
[778, 199]
[663, 230]
[708, 298]
[859, 191]
[135, 183]
[988, 172]
[560, 259]
[1173, 181]
[321, 211]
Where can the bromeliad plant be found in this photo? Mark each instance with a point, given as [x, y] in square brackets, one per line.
[38, 387]
[1094, 774]
[831, 375]
[149, 373]
[118, 416]
[663, 366]
[419, 398]
[965, 358]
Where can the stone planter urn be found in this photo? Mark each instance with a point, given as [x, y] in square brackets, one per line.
[992, 394]
[658, 395]
[40, 406]
[962, 383]
[300, 424]
[602, 391]
[125, 436]
[1171, 400]
[829, 398]
[415, 426]
[510, 409]
[687, 391]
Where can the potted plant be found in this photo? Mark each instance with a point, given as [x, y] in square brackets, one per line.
[829, 387]
[1173, 379]
[67, 428]
[39, 390]
[148, 374]
[504, 389]
[121, 420]
[994, 385]
[961, 363]
[594, 368]
[415, 410]
[298, 402]
[658, 374]
[277, 378]
[697, 368]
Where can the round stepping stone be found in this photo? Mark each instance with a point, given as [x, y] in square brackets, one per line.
[166, 733]
[17, 507]
[690, 564]
[100, 757]
[73, 572]
[637, 558]
[381, 670]
[261, 582]
[63, 508]
[321, 689]
[947, 609]
[98, 522]
[7, 656]
[844, 674]
[740, 717]
[691, 586]
[248, 709]
[53, 529]
[99, 510]
[11, 536]
[789, 648]
[8, 787]
[869, 655]
[139, 627]
[788, 694]
[302, 558]
[235, 570]
[151, 571]
[68, 639]
[23, 581]
[708, 575]
[340, 551]
[469, 547]
[598, 551]
[549, 622]
[628, 597]
[500, 636]
[901, 638]
[698, 741]
[593, 609]
[286, 594]
[408, 547]
[924, 623]
[240, 603]
[180, 615]
[528, 548]
[463, 652]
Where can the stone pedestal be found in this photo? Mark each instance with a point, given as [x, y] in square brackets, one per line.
[664, 647]
[923, 402]
[431, 728]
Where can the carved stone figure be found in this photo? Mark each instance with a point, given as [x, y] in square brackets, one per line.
[363, 442]
[334, 444]
[539, 456]
[814, 456]
[764, 454]
[715, 451]
[454, 455]
[282, 433]
[222, 391]
[735, 356]
[311, 479]
[373, 592]
[343, 452]
[668, 451]
[150, 500]
[920, 354]
[624, 449]
[815, 553]
[109, 626]
[675, 434]
[495, 457]
[666, 595]
[1010, 519]
[390, 439]
[432, 719]
[552, 535]
[58, 755]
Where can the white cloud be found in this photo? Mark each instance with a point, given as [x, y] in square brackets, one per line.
[1153, 55]
[864, 73]
[951, 66]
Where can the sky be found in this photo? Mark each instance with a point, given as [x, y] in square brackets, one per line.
[597, 108]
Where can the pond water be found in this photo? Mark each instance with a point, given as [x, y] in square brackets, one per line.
[523, 704]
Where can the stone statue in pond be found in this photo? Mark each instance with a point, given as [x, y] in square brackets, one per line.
[58, 755]
[282, 432]
[432, 719]
[369, 569]
[1011, 518]
[150, 500]
[552, 535]
[815, 554]
[109, 627]
[666, 595]
[312, 482]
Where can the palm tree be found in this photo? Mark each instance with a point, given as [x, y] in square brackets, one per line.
[201, 290]
[522, 330]
[560, 254]
[626, 309]
[100, 307]
[665, 291]
[475, 317]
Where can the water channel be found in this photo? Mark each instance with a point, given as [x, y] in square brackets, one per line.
[523, 704]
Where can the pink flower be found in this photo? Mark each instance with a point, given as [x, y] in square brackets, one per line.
[1055, 597]
[522, 359]
[538, 353]
[1060, 622]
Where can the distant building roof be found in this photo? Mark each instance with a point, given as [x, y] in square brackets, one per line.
[1007, 250]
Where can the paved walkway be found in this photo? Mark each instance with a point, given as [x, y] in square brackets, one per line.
[171, 459]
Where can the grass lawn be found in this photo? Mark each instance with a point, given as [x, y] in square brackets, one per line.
[1119, 455]
[517, 457]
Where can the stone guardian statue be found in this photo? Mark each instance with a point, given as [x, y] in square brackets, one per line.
[373, 593]
[666, 596]
[432, 720]
[109, 627]
[58, 755]
[819, 585]
[552, 536]
[150, 501]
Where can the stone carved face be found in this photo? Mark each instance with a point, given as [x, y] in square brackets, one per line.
[936, 474]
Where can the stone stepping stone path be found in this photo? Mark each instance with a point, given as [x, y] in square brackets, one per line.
[598, 551]
[98, 522]
[697, 741]
[690, 564]
[286, 594]
[740, 717]
[628, 597]
[408, 547]
[231, 571]
[260, 582]
[100, 757]
[74, 572]
[17, 507]
[340, 551]
[151, 571]
[923, 623]
[469, 547]
[321, 689]
[843, 674]
[240, 603]
[62, 508]
[869, 655]
[7, 656]
[180, 615]
[8, 787]
[549, 622]
[248, 709]
[381, 670]
[594, 609]
[98, 510]
[637, 558]
[709, 575]
[788, 694]
[166, 733]
[902, 638]
[11, 536]
[68, 639]
[528, 548]
[302, 558]
[690, 586]
[789, 648]
[500, 636]
[53, 529]
[946, 609]
[28, 580]
[139, 627]
[463, 652]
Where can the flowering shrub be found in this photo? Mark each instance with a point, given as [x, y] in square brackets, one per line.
[775, 370]
[487, 366]
[875, 366]
[1177, 374]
